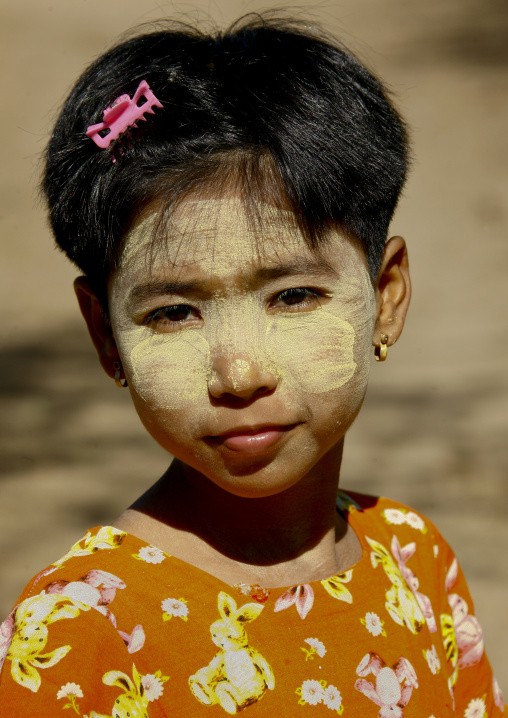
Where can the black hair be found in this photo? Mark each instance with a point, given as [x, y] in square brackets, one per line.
[285, 112]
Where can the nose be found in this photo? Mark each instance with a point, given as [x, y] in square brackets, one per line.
[240, 376]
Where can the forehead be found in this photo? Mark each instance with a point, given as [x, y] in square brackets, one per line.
[222, 237]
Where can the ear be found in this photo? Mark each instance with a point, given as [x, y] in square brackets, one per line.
[120, 680]
[248, 612]
[99, 327]
[393, 292]
[226, 604]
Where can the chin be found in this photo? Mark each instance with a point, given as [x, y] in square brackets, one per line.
[252, 484]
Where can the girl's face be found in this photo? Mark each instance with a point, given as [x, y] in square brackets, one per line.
[246, 353]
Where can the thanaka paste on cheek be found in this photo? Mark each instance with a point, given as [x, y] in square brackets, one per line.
[167, 370]
[314, 351]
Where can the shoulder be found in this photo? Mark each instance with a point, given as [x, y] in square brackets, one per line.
[388, 516]
[402, 535]
[99, 573]
[81, 617]
[92, 551]
[102, 560]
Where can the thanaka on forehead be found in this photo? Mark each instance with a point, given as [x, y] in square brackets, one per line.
[199, 219]
[203, 223]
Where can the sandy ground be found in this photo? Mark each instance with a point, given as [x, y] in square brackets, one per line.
[433, 430]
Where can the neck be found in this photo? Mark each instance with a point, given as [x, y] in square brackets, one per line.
[270, 529]
[274, 539]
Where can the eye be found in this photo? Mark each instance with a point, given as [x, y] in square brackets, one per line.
[298, 297]
[171, 316]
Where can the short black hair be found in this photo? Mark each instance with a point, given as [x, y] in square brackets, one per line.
[275, 107]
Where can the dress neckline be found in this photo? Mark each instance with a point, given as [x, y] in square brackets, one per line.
[348, 508]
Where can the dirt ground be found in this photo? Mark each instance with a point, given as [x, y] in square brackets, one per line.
[433, 431]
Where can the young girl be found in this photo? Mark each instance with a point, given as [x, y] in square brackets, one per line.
[227, 199]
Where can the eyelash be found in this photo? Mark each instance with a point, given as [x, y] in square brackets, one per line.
[311, 298]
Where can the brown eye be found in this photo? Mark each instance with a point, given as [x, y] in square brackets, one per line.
[173, 314]
[178, 313]
[302, 296]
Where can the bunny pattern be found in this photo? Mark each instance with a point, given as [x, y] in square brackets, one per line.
[132, 702]
[394, 635]
[237, 675]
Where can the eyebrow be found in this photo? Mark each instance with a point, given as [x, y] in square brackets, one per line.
[262, 275]
[301, 265]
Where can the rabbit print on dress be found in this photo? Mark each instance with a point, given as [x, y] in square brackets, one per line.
[132, 702]
[237, 675]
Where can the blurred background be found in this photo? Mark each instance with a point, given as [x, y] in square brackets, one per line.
[433, 430]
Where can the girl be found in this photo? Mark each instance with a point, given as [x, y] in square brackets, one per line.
[227, 199]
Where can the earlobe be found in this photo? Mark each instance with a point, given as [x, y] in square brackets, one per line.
[393, 294]
[98, 325]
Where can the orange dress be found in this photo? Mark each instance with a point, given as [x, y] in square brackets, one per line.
[118, 628]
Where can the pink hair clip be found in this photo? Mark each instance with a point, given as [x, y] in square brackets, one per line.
[122, 114]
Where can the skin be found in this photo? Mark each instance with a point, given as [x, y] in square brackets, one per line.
[269, 332]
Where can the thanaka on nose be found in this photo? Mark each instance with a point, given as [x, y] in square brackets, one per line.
[240, 376]
[237, 337]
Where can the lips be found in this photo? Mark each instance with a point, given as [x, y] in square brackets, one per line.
[253, 440]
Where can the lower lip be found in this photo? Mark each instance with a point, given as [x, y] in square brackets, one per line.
[254, 443]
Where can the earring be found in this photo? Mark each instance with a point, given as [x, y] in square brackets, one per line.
[381, 352]
[119, 381]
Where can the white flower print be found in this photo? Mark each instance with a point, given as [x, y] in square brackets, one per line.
[433, 660]
[312, 692]
[402, 516]
[415, 521]
[394, 516]
[475, 709]
[151, 554]
[315, 692]
[175, 607]
[153, 685]
[70, 689]
[332, 698]
[436, 553]
[315, 647]
[373, 624]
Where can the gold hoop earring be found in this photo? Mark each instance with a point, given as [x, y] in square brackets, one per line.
[381, 352]
[119, 381]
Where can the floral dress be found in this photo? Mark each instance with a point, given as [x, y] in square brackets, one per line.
[119, 628]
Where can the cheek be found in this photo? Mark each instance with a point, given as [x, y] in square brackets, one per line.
[168, 371]
[319, 351]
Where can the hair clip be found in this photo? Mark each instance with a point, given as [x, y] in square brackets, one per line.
[122, 114]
